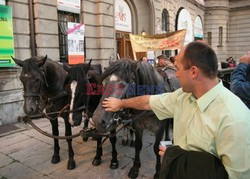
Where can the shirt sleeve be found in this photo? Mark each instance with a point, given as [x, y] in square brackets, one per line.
[163, 105]
[233, 148]
[239, 84]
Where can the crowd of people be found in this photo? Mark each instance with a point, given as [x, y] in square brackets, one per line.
[211, 123]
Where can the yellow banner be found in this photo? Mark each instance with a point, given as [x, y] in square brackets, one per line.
[168, 41]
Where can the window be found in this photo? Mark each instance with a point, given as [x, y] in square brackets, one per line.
[220, 36]
[63, 18]
[165, 28]
[209, 38]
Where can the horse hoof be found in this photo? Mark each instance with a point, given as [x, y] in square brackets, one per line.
[97, 161]
[114, 165]
[55, 159]
[132, 143]
[133, 174]
[84, 139]
[71, 165]
[124, 142]
[156, 176]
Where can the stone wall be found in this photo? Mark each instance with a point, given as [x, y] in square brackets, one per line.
[239, 28]
[11, 97]
[46, 28]
[98, 17]
[20, 13]
[234, 17]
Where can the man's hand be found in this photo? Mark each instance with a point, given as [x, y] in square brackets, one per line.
[245, 58]
[112, 104]
[162, 150]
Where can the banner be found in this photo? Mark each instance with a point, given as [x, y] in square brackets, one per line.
[168, 41]
[69, 6]
[6, 37]
[75, 43]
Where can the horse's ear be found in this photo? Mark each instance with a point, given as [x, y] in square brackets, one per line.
[66, 66]
[136, 65]
[18, 62]
[88, 67]
[42, 61]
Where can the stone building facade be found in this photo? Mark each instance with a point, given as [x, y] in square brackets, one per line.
[38, 25]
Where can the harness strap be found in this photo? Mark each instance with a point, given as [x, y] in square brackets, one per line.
[165, 76]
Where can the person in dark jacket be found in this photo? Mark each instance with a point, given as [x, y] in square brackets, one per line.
[240, 80]
[178, 163]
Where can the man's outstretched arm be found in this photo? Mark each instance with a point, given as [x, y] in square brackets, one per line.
[114, 104]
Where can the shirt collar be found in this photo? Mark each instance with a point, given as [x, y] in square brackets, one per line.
[204, 101]
[208, 97]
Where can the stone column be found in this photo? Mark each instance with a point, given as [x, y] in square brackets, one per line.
[216, 16]
[46, 28]
[99, 30]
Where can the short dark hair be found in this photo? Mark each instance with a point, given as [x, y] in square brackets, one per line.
[203, 56]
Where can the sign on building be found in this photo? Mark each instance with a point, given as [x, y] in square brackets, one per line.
[6, 37]
[75, 43]
[167, 41]
[2, 2]
[123, 16]
[69, 6]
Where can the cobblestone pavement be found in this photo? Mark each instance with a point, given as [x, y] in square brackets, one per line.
[27, 154]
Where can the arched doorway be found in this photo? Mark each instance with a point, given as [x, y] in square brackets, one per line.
[123, 26]
[126, 22]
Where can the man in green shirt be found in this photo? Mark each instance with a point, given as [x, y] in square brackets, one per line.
[207, 116]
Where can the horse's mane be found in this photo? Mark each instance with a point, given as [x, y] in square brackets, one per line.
[30, 65]
[122, 68]
[140, 72]
[146, 74]
[79, 72]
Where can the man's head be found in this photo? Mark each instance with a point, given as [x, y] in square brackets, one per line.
[196, 60]
[162, 60]
[203, 57]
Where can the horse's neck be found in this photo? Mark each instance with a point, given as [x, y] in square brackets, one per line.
[55, 77]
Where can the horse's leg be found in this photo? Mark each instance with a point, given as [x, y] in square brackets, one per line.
[125, 137]
[132, 138]
[158, 138]
[68, 132]
[56, 157]
[134, 171]
[98, 157]
[114, 162]
[85, 127]
[167, 125]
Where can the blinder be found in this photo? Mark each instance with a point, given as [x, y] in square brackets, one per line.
[39, 92]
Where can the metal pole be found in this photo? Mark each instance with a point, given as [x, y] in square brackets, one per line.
[32, 29]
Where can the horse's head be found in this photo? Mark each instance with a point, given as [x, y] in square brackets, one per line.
[113, 86]
[124, 79]
[77, 90]
[33, 80]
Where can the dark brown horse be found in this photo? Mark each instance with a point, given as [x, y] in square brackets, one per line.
[124, 79]
[43, 86]
[82, 79]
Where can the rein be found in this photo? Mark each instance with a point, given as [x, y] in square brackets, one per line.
[28, 119]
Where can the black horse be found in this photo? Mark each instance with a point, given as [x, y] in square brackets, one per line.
[83, 79]
[124, 79]
[43, 85]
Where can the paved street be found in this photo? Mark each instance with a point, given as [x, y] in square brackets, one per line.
[25, 153]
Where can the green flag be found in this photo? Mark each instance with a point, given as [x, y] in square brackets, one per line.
[6, 37]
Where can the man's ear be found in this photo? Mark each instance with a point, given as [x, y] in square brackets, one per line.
[194, 72]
